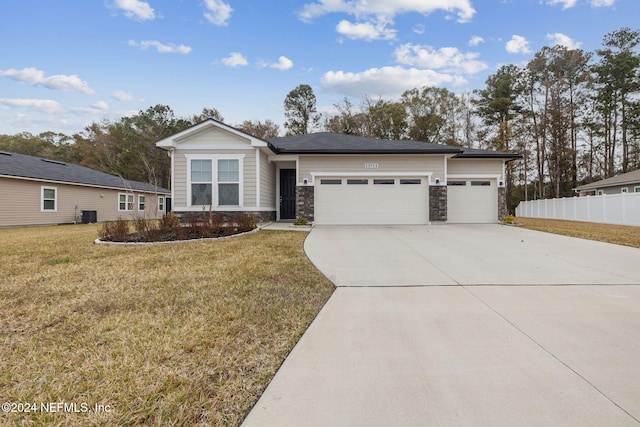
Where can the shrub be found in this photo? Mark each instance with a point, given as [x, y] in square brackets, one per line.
[116, 231]
[301, 221]
[508, 219]
[245, 222]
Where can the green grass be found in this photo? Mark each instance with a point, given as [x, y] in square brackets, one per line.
[164, 335]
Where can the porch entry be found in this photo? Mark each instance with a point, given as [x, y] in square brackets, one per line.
[287, 193]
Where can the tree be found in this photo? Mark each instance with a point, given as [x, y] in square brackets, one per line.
[498, 106]
[207, 113]
[265, 130]
[300, 110]
[618, 83]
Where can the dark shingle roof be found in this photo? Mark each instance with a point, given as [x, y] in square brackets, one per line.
[22, 166]
[336, 143]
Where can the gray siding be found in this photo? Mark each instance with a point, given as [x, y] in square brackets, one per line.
[474, 166]
[180, 174]
[356, 163]
[267, 182]
[21, 203]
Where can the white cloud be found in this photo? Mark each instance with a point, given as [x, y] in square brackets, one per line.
[475, 41]
[449, 59]
[44, 105]
[283, 64]
[235, 59]
[218, 12]
[566, 4]
[100, 105]
[36, 77]
[160, 47]
[385, 81]
[135, 9]
[602, 3]
[517, 44]
[365, 31]
[559, 39]
[385, 9]
[120, 95]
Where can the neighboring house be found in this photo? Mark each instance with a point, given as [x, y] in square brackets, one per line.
[36, 191]
[624, 183]
[333, 178]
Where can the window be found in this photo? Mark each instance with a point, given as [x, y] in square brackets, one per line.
[384, 181]
[49, 199]
[600, 192]
[141, 202]
[201, 182]
[358, 181]
[331, 181]
[636, 189]
[125, 202]
[228, 182]
[457, 183]
[480, 183]
[160, 203]
[624, 190]
[411, 181]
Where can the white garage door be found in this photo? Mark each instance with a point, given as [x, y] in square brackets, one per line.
[371, 200]
[472, 201]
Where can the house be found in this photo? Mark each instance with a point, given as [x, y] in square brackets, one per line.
[624, 183]
[36, 191]
[333, 178]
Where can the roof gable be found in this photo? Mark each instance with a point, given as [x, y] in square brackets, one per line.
[211, 134]
[632, 177]
[35, 168]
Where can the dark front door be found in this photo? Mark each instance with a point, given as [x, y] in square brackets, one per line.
[287, 193]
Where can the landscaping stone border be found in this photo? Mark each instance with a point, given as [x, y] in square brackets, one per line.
[107, 243]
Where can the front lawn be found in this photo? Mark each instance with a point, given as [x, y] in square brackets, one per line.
[619, 234]
[164, 335]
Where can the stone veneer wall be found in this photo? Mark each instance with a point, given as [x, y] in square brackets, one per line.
[502, 203]
[262, 216]
[304, 202]
[438, 203]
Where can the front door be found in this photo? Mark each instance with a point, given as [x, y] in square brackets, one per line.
[287, 193]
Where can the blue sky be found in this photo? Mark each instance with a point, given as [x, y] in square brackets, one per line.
[67, 63]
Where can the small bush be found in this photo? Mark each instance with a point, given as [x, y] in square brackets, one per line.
[245, 222]
[301, 221]
[116, 231]
[508, 219]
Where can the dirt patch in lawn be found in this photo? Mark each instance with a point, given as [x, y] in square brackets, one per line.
[160, 335]
[610, 233]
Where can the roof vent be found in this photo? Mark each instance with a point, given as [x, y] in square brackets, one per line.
[54, 162]
[4, 153]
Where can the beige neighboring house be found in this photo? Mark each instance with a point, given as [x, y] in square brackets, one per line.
[36, 191]
[333, 178]
[624, 183]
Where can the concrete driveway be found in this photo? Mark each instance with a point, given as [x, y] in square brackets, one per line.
[466, 353]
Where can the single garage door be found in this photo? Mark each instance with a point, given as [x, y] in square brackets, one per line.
[472, 201]
[371, 200]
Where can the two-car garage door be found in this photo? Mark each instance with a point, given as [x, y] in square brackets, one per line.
[371, 200]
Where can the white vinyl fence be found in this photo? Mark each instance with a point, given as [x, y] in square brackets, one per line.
[623, 208]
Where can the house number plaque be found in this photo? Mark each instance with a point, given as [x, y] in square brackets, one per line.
[371, 166]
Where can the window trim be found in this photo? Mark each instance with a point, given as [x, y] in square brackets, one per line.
[624, 190]
[129, 202]
[636, 189]
[214, 179]
[161, 201]
[384, 181]
[219, 182]
[142, 201]
[42, 198]
[357, 181]
[599, 192]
